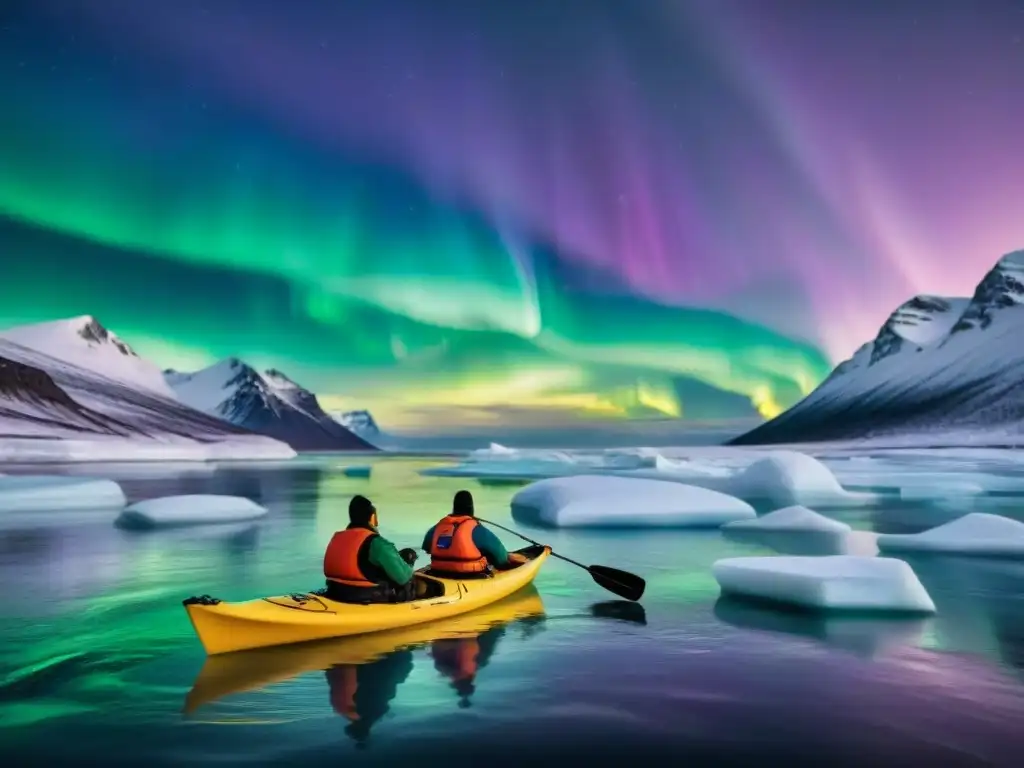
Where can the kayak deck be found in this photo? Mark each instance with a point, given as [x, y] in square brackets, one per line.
[224, 627]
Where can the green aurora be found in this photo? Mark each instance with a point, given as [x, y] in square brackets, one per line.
[214, 240]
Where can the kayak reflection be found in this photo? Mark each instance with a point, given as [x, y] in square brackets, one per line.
[363, 672]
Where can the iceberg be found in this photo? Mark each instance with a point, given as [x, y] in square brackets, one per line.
[837, 582]
[977, 533]
[794, 542]
[794, 519]
[41, 493]
[788, 478]
[606, 501]
[196, 509]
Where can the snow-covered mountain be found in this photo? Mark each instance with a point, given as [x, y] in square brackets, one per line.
[937, 366]
[33, 405]
[84, 342]
[54, 410]
[268, 403]
[360, 422]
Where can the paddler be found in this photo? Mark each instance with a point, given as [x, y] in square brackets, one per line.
[459, 545]
[362, 566]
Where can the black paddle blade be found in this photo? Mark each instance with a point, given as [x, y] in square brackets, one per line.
[622, 583]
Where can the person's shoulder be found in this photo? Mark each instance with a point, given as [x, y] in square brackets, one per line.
[481, 528]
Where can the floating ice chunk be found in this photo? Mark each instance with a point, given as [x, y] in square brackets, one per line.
[939, 490]
[498, 452]
[682, 471]
[197, 509]
[792, 519]
[39, 493]
[516, 470]
[495, 450]
[790, 477]
[796, 542]
[357, 471]
[839, 582]
[978, 533]
[607, 501]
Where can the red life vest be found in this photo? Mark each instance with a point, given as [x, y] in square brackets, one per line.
[452, 549]
[344, 554]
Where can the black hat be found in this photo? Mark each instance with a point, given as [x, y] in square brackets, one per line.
[462, 504]
[360, 510]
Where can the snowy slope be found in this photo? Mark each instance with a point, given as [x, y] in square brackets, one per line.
[33, 405]
[268, 403]
[360, 422]
[84, 342]
[51, 410]
[936, 365]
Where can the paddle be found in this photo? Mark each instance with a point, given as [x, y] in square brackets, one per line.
[621, 583]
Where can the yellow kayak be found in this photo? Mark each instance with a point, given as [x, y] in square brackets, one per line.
[233, 673]
[225, 627]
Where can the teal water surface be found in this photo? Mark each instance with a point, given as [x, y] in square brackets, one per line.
[97, 657]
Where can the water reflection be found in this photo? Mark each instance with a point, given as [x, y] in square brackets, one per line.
[362, 694]
[364, 672]
[864, 636]
[979, 602]
[623, 610]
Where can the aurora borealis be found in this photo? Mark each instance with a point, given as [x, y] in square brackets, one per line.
[457, 210]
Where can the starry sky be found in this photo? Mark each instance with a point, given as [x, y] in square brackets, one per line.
[482, 210]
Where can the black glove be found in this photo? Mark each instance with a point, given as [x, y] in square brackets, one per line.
[408, 554]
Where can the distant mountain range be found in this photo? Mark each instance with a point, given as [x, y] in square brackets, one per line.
[71, 388]
[950, 370]
[268, 403]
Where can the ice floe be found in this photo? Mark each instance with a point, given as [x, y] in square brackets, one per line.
[777, 477]
[32, 493]
[788, 478]
[596, 501]
[795, 519]
[977, 533]
[839, 582]
[196, 509]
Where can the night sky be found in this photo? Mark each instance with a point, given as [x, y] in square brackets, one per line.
[477, 210]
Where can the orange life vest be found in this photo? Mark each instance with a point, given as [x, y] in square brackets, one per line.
[452, 549]
[343, 556]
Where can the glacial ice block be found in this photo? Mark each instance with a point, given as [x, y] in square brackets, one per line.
[197, 509]
[794, 519]
[977, 533]
[41, 493]
[838, 582]
[606, 501]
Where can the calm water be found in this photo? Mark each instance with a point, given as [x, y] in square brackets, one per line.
[97, 657]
